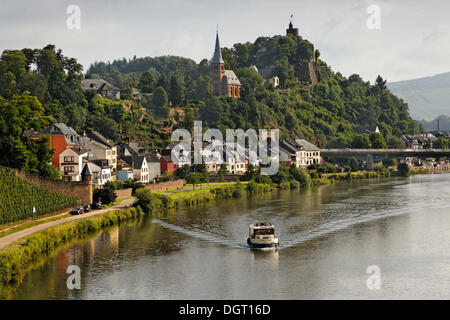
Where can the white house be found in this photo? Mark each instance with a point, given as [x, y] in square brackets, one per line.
[310, 154]
[154, 166]
[299, 152]
[71, 163]
[100, 174]
[140, 168]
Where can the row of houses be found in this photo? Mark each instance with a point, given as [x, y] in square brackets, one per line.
[418, 141]
[109, 162]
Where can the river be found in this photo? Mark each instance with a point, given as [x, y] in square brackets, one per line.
[329, 237]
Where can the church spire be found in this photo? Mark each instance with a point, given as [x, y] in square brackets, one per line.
[217, 57]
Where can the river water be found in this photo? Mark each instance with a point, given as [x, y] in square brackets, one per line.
[329, 238]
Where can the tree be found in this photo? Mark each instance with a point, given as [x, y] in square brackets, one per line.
[360, 141]
[403, 169]
[377, 141]
[162, 82]
[146, 82]
[183, 171]
[354, 164]
[159, 102]
[176, 91]
[250, 174]
[281, 176]
[21, 113]
[194, 178]
[380, 83]
[441, 143]
[167, 176]
[300, 175]
[106, 195]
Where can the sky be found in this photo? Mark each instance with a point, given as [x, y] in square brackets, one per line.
[412, 40]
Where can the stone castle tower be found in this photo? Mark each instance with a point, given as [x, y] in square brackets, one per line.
[291, 30]
[224, 82]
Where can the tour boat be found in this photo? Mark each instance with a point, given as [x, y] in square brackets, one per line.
[262, 235]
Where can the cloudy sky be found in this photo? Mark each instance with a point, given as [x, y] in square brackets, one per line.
[413, 39]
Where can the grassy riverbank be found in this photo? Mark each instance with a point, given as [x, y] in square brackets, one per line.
[17, 259]
[151, 202]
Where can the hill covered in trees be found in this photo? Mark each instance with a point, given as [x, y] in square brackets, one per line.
[325, 113]
[38, 86]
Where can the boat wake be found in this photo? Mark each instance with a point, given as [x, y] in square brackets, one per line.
[201, 235]
[341, 224]
[298, 238]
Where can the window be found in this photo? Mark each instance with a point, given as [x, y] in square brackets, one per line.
[68, 159]
[69, 169]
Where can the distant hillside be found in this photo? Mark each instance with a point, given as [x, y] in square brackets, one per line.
[427, 97]
[444, 123]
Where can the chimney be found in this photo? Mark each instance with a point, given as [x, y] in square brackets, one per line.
[438, 124]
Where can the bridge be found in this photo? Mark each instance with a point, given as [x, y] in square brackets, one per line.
[377, 155]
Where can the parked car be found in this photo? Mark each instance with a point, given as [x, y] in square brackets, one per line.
[87, 208]
[77, 211]
[96, 205]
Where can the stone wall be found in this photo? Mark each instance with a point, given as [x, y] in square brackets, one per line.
[307, 72]
[82, 190]
[163, 186]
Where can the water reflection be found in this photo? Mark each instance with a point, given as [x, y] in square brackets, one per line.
[328, 237]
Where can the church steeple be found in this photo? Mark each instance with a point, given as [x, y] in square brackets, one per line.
[217, 57]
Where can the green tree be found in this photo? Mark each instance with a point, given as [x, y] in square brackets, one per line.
[176, 91]
[377, 141]
[21, 113]
[194, 178]
[361, 141]
[159, 102]
[354, 164]
[106, 195]
[403, 169]
[441, 143]
[163, 82]
[146, 82]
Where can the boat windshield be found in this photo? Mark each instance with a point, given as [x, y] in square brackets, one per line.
[261, 232]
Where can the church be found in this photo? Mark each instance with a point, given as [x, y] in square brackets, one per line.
[224, 82]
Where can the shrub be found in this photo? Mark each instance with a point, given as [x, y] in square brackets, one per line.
[294, 184]
[403, 169]
[238, 191]
[300, 175]
[150, 202]
[106, 195]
